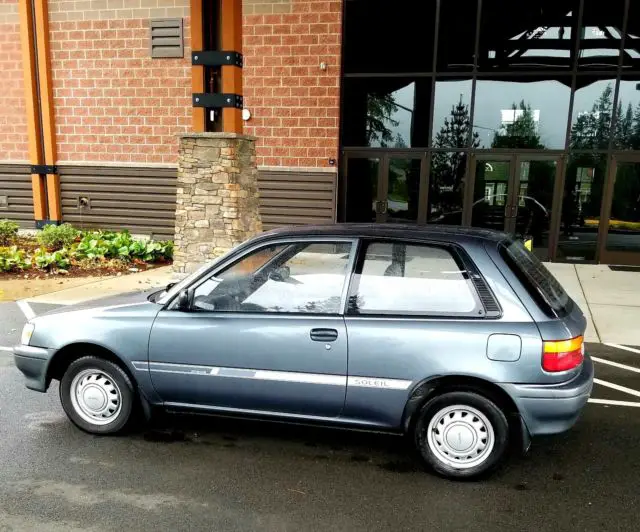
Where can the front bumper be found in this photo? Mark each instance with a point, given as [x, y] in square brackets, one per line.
[552, 409]
[33, 363]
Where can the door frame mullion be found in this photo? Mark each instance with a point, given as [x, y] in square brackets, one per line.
[513, 193]
[423, 189]
[556, 207]
[383, 189]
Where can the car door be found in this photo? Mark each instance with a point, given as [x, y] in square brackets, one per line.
[415, 313]
[264, 334]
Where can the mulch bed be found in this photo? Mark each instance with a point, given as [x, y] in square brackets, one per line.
[97, 271]
[99, 268]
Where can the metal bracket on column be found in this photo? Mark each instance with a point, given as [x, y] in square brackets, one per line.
[217, 58]
[213, 100]
[44, 169]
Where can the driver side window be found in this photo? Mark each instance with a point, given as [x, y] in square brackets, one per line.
[290, 278]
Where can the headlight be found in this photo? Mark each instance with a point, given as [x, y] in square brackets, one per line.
[27, 333]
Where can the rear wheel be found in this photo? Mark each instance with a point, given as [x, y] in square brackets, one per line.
[97, 395]
[462, 434]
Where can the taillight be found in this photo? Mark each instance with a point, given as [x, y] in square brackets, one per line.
[563, 355]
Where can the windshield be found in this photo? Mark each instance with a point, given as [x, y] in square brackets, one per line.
[258, 259]
[167, 295]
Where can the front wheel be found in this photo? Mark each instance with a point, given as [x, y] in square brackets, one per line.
[462, 435]
[97, 395]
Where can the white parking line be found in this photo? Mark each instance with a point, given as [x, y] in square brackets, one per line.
[26, 309]
[615, 364]
[614, 403]
[624, 348]
[617, 387]
[7, 349]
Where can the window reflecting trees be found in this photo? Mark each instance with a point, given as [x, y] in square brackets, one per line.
[592, 114]
[451, 118]
[522, 113]
[427, 82]
[627, 131]
[386, 112]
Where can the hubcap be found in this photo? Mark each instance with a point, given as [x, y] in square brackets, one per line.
[460, 436]
[95, 397]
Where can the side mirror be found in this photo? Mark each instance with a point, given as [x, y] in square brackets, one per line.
[185, 300]
[170, 286]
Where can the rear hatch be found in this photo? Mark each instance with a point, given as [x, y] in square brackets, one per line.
[562, 317]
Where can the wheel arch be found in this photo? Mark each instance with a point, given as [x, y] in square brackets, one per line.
[431, 387]
[65, 356]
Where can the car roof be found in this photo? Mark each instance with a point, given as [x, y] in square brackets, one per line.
[391, 230]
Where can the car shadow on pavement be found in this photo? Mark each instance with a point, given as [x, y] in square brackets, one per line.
[388, 451]
[577, 454]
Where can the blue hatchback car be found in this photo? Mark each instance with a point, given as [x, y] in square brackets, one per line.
[459, 338]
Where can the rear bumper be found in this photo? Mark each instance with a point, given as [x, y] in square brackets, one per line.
[552, 409]
[33, 363]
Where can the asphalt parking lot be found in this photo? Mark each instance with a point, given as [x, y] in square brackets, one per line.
[211, 474]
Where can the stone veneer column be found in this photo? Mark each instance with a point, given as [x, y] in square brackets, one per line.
[217, 197]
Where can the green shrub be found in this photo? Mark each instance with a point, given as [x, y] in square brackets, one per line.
[13, 259]
[60, 247]
[8, 231]
[58, 259]
[57, 236]
[121, 246]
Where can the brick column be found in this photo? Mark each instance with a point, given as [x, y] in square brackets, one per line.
[217, 197]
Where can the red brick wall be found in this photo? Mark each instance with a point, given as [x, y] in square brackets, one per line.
[295, 105]
[13, 119]
[113, 102]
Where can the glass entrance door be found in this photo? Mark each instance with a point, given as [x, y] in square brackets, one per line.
[534, 214]
[402, 179]
[621, 239]
[360, 191]
[515, 193]
[492, 206]
[383, 186]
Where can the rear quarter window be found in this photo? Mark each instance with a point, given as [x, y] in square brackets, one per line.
[398, 278]
[537, 279]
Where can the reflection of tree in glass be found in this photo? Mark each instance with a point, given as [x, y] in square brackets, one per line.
[455, 131]
[521, 133]
[535, 178]
[592, 129]
[448, 168]
[330, 305]
[380, 108]
[624, 127]
[356, 302]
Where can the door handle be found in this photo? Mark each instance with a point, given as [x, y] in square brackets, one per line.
[324, 335]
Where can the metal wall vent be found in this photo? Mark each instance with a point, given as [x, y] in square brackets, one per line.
[167, 37]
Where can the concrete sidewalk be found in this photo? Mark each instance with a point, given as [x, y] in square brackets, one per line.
[610, 300]
[156, 278]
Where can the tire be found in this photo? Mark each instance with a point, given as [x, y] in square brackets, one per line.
[97, 395]
[462, 435]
